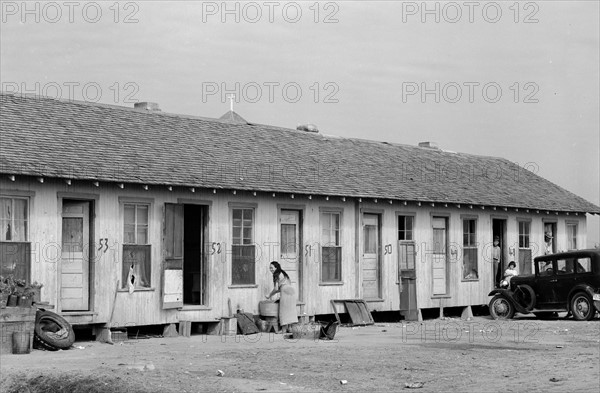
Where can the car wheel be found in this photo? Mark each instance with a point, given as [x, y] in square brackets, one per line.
[501, 307]
[582, 307]
[53, 330]
[525, 296]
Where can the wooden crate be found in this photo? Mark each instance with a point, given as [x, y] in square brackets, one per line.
[15, 319]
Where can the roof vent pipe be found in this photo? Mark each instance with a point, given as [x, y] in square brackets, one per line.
[429, 145]
[147, 106]
[308, 128]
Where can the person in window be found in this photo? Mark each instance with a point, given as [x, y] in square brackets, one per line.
[509, 273]
[496, 253]
[287, 296]
[472, 276]
[548, 242]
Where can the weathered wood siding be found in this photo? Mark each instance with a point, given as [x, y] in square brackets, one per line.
[144, 307]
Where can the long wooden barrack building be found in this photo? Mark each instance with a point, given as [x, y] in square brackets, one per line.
[167, 217]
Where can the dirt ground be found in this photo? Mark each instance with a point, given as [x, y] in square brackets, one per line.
[478, 355]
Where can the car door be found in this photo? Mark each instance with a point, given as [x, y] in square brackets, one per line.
[566, 279]
[545, 286]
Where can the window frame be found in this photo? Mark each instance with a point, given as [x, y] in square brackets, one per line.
[571, 240]
[251, 244]
[522, 239]
[472, 244]
[27, 196]
[136, 245]
[338, 246]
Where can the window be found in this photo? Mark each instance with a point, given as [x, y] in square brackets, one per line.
[243, 248]
[583, 265]
[15, 248]
[524, 247]
[545, 268]
[406, 245]
[405, 228]
[571, 236]
[137, 262]
[470, 269]
[331, 248]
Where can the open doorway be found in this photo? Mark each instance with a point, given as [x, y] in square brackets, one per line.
[194, 258]
[499, 232]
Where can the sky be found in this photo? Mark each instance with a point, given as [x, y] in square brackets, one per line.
[519, 80]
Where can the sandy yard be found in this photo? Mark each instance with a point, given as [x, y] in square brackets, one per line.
[478, 355]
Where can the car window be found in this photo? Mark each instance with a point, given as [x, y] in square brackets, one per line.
[584, 265]
[545, 268]
[564, 266]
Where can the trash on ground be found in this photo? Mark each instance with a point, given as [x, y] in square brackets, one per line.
[220, 373]
[414, 385]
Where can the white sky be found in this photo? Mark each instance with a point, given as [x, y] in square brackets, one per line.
[364, 60]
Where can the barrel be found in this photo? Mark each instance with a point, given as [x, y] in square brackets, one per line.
[20, 342]
[268, 308]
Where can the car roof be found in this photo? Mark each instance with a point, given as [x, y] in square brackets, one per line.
[591, 252]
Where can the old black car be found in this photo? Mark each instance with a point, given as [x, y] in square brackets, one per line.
[567, 281]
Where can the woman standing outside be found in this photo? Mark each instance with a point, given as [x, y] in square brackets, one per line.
[287, 297]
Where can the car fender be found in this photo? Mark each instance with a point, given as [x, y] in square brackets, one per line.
[510, 296]
[579, 288]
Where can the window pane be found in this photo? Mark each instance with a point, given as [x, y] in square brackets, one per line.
[129, 236]
[6, 218]
[142, 215]
[370, 233]
[142, 235]
[409, 224]
[584, 265]
[20, 220]
[439, 241]
[248, 215]
[470, 269]
[243, 265]
[331, 263]
[247, 235]
[237, 235]
[237, 214]
[525, 260]
[288, 238]
[129, 211]
[15, 258]
[137, 256]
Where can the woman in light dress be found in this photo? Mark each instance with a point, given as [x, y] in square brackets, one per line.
[287, 296]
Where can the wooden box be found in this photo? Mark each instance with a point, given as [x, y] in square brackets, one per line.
[15, 319]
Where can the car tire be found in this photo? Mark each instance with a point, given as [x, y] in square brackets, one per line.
[45, 324]
[525, 296]
[582, 307]
[501, 307]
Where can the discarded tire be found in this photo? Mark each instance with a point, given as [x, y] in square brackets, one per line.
[52, 332]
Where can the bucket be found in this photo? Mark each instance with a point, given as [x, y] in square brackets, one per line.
[268, 308]
[20, 342]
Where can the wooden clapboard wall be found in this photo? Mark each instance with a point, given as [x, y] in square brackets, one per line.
[145, 307]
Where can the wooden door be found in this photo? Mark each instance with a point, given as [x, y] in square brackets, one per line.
[371, 279]
[172, 289]
[439, 256]
[407, 276]
[290, 247]
[75, 257]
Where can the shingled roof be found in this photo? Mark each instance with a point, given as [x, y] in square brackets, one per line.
[77, 140]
